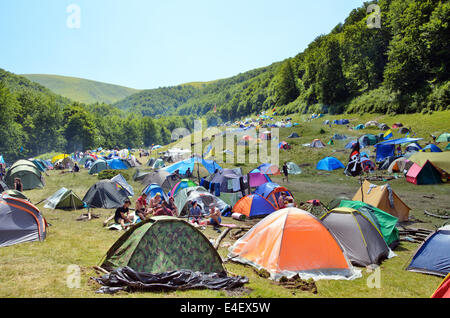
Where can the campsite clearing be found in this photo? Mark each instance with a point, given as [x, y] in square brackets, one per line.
[42, 269]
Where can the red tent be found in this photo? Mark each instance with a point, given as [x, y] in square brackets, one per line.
[443, 290]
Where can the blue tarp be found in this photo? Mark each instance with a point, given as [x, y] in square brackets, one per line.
[2, 160]
[387, 148]
[434, 255]
[329, 163]
[385, 151]
[182, 166]
[398, 141]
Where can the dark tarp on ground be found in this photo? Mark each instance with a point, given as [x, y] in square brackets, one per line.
[126, 279]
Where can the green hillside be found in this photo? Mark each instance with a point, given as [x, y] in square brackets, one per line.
[34, 120]
[402, 67]
[82, 90]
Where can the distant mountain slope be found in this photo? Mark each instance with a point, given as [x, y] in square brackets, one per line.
[82, 90]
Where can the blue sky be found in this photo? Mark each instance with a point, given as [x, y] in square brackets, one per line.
[149, 43]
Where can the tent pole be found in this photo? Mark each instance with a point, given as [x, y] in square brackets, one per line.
[361, 186]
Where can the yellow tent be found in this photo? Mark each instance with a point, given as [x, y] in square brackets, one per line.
[438, 159]
[59, 157]
[378, 196]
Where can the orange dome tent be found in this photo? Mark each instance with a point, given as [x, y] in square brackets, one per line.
[443, 291]
[292, 241]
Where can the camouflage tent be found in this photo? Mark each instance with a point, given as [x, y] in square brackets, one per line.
[164, 244]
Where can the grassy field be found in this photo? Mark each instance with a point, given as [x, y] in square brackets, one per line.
[40, 269]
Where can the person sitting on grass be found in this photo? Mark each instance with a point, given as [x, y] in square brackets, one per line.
[164, 210]
[141, 207]
[18, 186]
[195, 212]
[155, 203]
[215, 216]
[76, 168]
[171, 205]
[122, 215]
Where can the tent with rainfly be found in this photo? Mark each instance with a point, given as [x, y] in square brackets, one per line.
[98, 166]
[15, 194]
[20, 222]
[433, 255]
[384, 222]
[292, 241]
[254, 206]
[27, 172]
[202, 197]
[358, 235]
[427, 174]
[64, 199]
[384, 198]
[163, 244]
[440, 160]
[119, 179]
[105, 194]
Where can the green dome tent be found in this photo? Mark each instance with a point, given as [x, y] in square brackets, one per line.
[159, 163]
[27, 172]
[293, 168]
[385, 222]
[445, 137]
[164, 244]
[98, 166]
[64, 199]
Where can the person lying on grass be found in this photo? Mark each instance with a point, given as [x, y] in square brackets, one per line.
[214, 215]
[141, 207]
[122, 215]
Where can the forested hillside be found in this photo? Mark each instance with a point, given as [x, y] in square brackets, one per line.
[34, 121]
[402, 67]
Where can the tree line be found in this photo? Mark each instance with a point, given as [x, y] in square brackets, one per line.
[35, 121]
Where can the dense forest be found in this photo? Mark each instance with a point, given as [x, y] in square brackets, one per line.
[401, 67]
[34, 121]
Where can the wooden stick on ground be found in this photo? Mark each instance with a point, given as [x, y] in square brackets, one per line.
[446, 217]
[221, 237]
[99, 269]
[108, 219]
